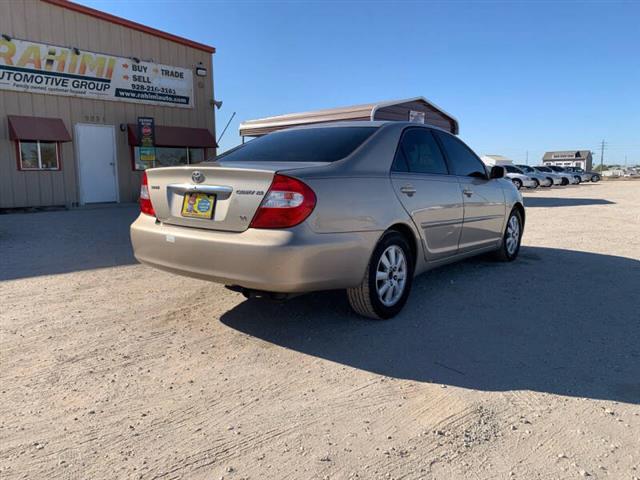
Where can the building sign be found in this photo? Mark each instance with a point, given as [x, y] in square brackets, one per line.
[38, 68]
[416, 117]
[146, 134]
[563, 156]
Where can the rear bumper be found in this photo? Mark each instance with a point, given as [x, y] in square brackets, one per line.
[285, 261]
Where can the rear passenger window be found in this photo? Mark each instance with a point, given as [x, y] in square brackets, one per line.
[462, 160]
[419, 153]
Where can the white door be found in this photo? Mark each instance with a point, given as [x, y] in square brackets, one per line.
[96, 158]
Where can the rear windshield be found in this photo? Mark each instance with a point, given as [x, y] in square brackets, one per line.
[305, 145]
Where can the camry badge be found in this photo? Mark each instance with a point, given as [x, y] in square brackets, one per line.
[197, 177]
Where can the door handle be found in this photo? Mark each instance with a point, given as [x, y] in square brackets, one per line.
[408, 190]
[467, 192]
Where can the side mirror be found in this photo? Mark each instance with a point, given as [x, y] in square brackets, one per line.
[497, 172]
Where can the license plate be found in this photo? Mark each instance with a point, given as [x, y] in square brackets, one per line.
[198, 205]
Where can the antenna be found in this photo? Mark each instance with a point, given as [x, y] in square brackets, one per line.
[226, 126]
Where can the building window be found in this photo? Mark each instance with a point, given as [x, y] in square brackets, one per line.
[170, 157]
[37, 155]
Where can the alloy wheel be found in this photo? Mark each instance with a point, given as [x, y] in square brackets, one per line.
[513, 235]
[391, 275]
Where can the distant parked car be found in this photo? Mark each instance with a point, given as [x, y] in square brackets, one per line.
[587, 176]
[595, 176]
[518, 177]
[543, 180]
[557, 179]
[584, 176]
[573, 179]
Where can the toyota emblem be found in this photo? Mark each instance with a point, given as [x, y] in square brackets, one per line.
[197, 177]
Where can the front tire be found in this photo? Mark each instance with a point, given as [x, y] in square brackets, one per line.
[595, 178]
[512, 238]
[565, 181]
[387, 281]
[517, 183]
[536, 183]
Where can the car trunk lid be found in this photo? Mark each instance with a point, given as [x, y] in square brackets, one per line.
[238, 188]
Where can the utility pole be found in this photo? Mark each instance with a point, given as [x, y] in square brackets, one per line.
[527, 157]
[602, 156]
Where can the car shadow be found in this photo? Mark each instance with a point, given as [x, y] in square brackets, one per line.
[47, 243]
[556, 321]
[563, 202]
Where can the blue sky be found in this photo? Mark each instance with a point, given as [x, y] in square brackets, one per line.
[518, 76]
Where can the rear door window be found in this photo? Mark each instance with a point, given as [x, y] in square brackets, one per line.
[326, 144]
[461, 159]
[419, 152]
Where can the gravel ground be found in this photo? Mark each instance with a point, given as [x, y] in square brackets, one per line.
[109, 369]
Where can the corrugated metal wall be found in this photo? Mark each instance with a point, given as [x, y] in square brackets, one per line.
[42, 22]
[400, 112]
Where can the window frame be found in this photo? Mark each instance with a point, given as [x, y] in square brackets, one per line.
[517, 170]
[406, 162]
[39, 168]
[451, 165]
[133, 156]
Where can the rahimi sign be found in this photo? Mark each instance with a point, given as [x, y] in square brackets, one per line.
[38, 68]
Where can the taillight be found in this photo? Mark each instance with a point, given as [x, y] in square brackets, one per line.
[145, 200]
[287, 203]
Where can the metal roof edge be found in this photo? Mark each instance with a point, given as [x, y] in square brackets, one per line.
[130, 24]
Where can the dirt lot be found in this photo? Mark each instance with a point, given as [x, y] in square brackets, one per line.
[109, 369]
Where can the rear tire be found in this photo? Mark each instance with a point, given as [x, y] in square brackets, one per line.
[565, 181]
[595, 178]
[511, 238]
[536, 183]
[578, 180]
[390, 266]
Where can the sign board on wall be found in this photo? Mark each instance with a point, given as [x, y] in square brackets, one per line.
[416, 117]
[146, 134]
[39, 68]
[560, 156]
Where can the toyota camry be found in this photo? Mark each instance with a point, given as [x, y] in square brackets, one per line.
[359, 206]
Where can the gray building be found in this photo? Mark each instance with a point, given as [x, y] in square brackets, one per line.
[569, 158]
[418, 109]
[73, 82]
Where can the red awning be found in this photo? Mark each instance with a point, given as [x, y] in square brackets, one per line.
[176, 137]
[37, 128]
